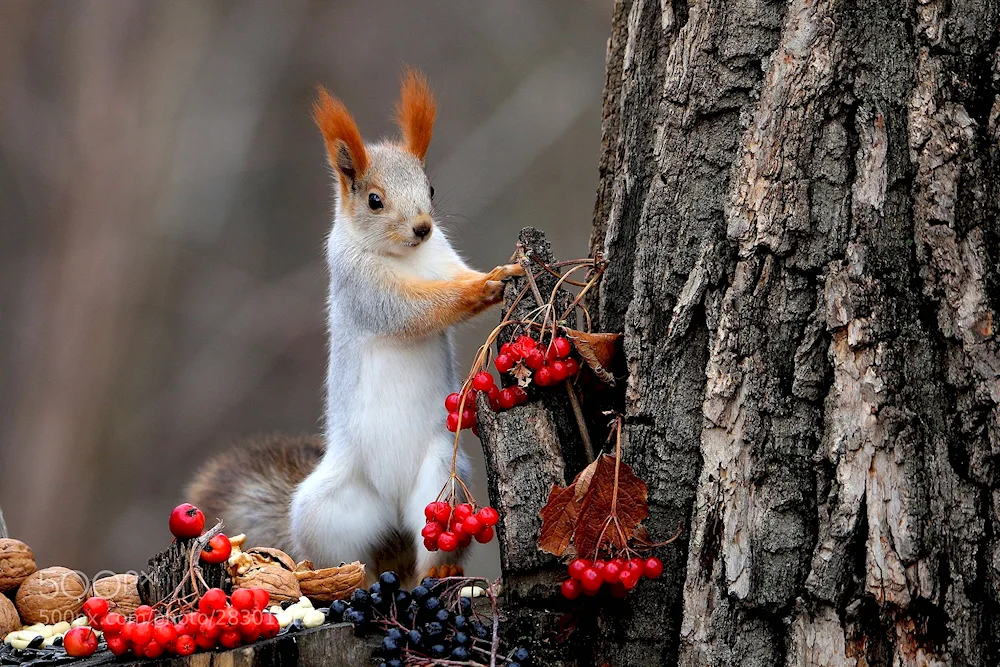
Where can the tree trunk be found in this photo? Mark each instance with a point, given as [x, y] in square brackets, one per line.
[798, 202]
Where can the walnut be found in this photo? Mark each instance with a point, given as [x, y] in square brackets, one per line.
[331, 583]
[9, 620]
[51, 595]
[120, 590]
[270, 569]
[16, 563]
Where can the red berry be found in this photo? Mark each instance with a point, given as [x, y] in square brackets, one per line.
[489, 516]
[591, 580]
[230, 638]
[229, 618]
[186, 521]
[535, 359]
[452, 401]
[164, 632]
[452, 422]
[572, 367]
[127, 630]
[261, 598]
[464, 540]
[503, 363]
[520, 395]
[430, 544]
[269, 626]
[610, 573]
[653, 568]
[80, 642]
[145, 613]
[558, 369]
[212, 601]
[472, 525]
[209, 628]
[468, 418]
[117, 644]
[599, 565]
[217, 550]
[431, 530]
[142, 634]
[560, 347]
[505, 348]
[637, 564]
[485, 536]
[526, 343]
[463, 511]
[204, 642]
[629, 579]
[242, 599]
[576, 568]
[507, 399]
[570, 589]
[448, 541]
[112, 623]
[152, 650]
[483, 381]
[442, 512]
[429, 511]
[493, 395]
[249, 627]
[95, 608]
[185, 645]
[543, 376]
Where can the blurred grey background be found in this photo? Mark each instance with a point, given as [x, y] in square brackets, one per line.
[163, 202]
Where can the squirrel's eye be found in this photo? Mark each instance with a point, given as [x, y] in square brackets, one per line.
[374, 202]
[432, 192]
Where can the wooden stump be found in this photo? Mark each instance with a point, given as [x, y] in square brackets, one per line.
[168, 568]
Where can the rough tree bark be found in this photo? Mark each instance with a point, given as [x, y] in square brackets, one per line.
[799, 202]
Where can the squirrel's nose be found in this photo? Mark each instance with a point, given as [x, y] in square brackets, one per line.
[422, 229]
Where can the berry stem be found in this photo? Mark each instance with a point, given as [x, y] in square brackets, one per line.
[581, 423]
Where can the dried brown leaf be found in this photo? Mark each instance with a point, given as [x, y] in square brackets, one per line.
[559, 518]
[588, 511]
[598, 350]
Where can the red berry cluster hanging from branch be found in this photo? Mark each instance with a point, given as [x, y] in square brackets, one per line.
[598, 520]
[541, 353]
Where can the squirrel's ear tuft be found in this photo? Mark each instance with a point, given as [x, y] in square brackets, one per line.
[415, 113]
[343, 142]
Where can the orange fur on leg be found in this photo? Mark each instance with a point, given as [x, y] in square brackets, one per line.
[452, 301]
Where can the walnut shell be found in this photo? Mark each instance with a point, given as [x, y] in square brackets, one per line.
[270, 569]
[51, 595]
[121, 591]
[331, 583]
[9, 620]
[16, 564]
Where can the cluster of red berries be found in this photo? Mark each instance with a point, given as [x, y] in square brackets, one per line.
[621, 576]
[220, 621]
[188, 522]
[448, 529]
[549, 365]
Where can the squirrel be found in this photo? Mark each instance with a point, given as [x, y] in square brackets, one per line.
[397, 288]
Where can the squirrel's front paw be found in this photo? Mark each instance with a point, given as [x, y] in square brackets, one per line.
[506, 271]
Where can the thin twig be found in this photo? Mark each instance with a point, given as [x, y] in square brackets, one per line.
[581, 423]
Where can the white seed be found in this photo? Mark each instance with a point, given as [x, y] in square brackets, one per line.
[80, 622]
[313, 618]
[50, 641]
[60, 628]
[305, 602]
[297, 612]
[284, 619]
[22, 638]
[275, 609]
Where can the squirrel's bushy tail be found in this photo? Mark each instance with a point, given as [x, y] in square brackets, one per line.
[250, 487]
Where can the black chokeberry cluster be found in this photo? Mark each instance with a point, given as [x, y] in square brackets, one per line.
[429, 623]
